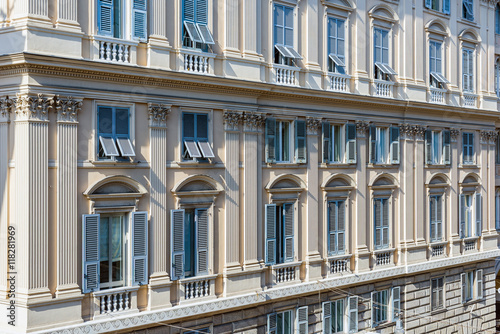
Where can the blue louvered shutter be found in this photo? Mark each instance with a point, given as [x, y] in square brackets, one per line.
[270, 140]
[140, 248]
[177, 244]
[288, 229]
[91, 256]
[428, 147]
[201, 217]
[105, 17]
[270, 234]
[326, 139]
[300, 142]
[271, 323]
[351, 143]
[478, 209]
[139, 19]
[188, 10]
[428, 3]
[446, 6]
[201, 11]
[446, 147]
[373, 144]
[341, 227]
[394, 145]
[462, 212]
[332, 227]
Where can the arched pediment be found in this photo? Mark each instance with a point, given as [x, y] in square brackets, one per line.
[383, 12]
[286, 181]
[116, 184]
[470, 35]
[438, 179]
[338, 180]
[197, 182]
[437, 26]
[471, 179]
[384, 180]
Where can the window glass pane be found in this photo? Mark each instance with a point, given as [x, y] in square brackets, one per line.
[105, 120]
[122, 121]
[202, 126]
[337, 143]
[189, 242]
[287, 323]
[285, 135]
[188, 125]
[104, 248]
[340, 316]
[340, 29]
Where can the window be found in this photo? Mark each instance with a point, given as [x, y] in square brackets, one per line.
[437, 147]
[497, 19]
[470, 215]
[340, 318]
[195, 137]
[381, 222]
[497, 209]
[383, 302]
[284, 52]
[437, 293]
[280, 143]
[468, 70]
[437, 78]
[468, 147]
[334, 137]
[497, 150]
[111, 20]
[279, 233]
[384, 145]
[199, 330]
[336, 227]
[105, 255]
[439, 5]
[436, 219]
[383, 70]
[472, 285]
[283, 322]
[497, 76]
[195, 32]
[336, 45]
[113, 131]
[189, 242]
[468, 9]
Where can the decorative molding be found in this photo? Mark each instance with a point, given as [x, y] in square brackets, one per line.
[362, 128]
[419, 132]
[253, 121]
[454, 133]
[6, 106]
[410, 131]
[67, 109]
[33, 108]
[232, 119]
[313, 125]
[488, 136]
[157, 114]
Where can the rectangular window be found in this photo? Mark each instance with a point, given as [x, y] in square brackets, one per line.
[111, 244]
[195, 137]
[384, 145]
[468, 70]
[381, 222]
[380, 306]
[336, 227]
[467, 286]
[497, 149]
[279, 233]
[113, 131]
[284, 140]
[468, 9]
[195, 32]
[383, 70]
[439, 5]
[468, 147]
[284, 51]
[470, 215]
[339, 143]
[437, 147]
[437, 78]
[437, 293]
[336, 45]
[436, 212]
[280, 322]
[111, 20]
[333, 316]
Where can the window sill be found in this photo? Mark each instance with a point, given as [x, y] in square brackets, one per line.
[437, 165]
[285, 164]
[103, 292]
[197, 278]
[437, 13]
[471, 165]
[474, 238]
[337, 165]
[470, 23]
[114, 163]
[472, 301]
[194, 163]
[439, 310]
[383, 325]
[382, 165]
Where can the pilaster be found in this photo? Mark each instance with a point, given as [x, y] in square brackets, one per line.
[251, 26]
[487, 164]
[453, 206]
[32, 10]
[158, 46]
[67, 14]
[362, 215]
[67, 221]
[419, 195]
[310, 231]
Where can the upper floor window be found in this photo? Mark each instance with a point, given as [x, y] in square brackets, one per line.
[437, 147]
[340, 318]
[113, 131]
[381, 222]
[336, 227]
[113, 21]
[286, 322]
[195, 137]
[468, 70]
[497, 77]
[280, 233]
[195, 32]
[339, 143]
[497, 209]
[437, 293]
[383, 70]
[437, 78]
[439, 5]
[470, 214]
[384, 145]
[472, 285]
[436, 217]
[468, 147]
[285, 139]
[497, 19]
[386, 305]
[468, 9]
[336, 45]
[284, 51]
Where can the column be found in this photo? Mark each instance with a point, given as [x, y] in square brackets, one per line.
[31, 196]
[361, 215]
[490, 190]
[67, 13]
[311, 232]
[406, 184]
[232, 191]
[67, 219]
[252, 125]
[419, 194]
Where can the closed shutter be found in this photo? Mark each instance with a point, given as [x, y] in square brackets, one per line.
[202, 11]
[201, 220]
[432, 210]
[302, 320]
[353, 314]
[91, 255]
[385, 223]
[480, 285]
[373, 144]
[471, 147]
[428, 147]
[462, 214]
[497, 210]
[300, 142]
[105, 17]
[332, 228]
[327, 149]
[377, 221]
[177, 244]
[396, 302]
[446, 6]
[351, 143]
[270, 234]
[270, 140]
[327, 318]
[439, 218]
[188, 10]
[446, 147]
[341, 227]
[464, 287]
[428, 3]
[140, 248]
[271, 323]
[478, 209]
[139, 18]
[289, 235]
[394, 145]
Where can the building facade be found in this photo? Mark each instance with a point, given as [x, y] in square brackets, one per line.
[186, 166]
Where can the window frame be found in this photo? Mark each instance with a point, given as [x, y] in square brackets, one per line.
[198, 24]
[468, 147]
[468, 78]
[439, 290]
[124, 221]
[274, 330]
[336, 231]
[284, 53]
[385, 205]
[435, 224]
[332, 65]
[183, 150]
[383, 309]
[441, 6]
[466, 15]
[381, 152]
[126, 20]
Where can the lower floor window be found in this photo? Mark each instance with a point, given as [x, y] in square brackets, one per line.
[280, 322]
[380, 305]
[437, 293]
[111, 240]
[472, 285]
[279, 233]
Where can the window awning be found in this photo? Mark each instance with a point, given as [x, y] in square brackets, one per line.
[205, 33]
[439, 78]
[206, 150]
[193, 32]
[336, 60]
[125, 147]
[108, 146]
[192, 149]
[287, 51]
[386, 69]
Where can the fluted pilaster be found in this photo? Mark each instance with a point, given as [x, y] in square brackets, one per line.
[232, 23]
[311, 231]
[157, 22]
[250, 25]
[30, 8]
[67, 11]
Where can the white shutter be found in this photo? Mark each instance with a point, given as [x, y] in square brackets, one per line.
[177, 244]
[139, 19]
[479, 214]
[394, 145]
[300, 142]
[140, 248]
[270, 140]
[479, 284]
[353, 314]
[91, 256]
[464, 287]
[105, 17]
[327, 318]
[396, 302]
[201, 220]
[270, 234]
[271, 323]
[289, 235]
[462, 216]
[302, 320]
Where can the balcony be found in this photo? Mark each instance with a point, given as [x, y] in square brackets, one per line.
[338, 82]
[114, 50]
[285, 75]
[339, 264]
[285, 273]
[114, 301]
[469, 244]
[437, 95]
[383, 88]
[197, 288]
[469, 100]
[195, 61]
[438, 250]
[383, 257]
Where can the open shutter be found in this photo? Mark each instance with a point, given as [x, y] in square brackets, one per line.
[341, 227]
[201, 220]
[374, 309]
[91, 256]
[377, 222]
[177, 244]
[373, 144]
[428, 3]
[327, 318]
[140, 248]
[327, 149]
[271, 323]
[105, 17]
[428, 147]
[139, 19]
[396, 302]
[479, 214]
[462, 216]
[446, 147]
[302, 320]
[353, 314]
[464, 287]
[300, 141]
[394, 145]
[497, 211]
[332, 228]
[270, 140]
[270, 234]
[289, 235]
[432, 210]
[446, 6]
[479, 281]
[351, 143]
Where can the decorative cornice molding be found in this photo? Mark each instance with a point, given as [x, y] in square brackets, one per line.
[454, 133]
[313, 125]
[253, 121]
[232, 119]
[67, 109]
[157, 114]
[33, 108]
[362, 128]
[6, 107]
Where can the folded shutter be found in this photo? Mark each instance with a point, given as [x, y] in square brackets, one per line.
[201, 11]
[302, 320]
[446, 147]
[201, 225]
[385, 223]
[377, 222]
[289, 235]
[105, 17]
[140, 248]
[332, 228]
[353, 314]
[177, 244]
[373, 144]
[433, 208]
[351, 143]
[428, 147]
[327, 318]
[270, 140]
[479, 280]
[139, 18]
[271, 323]
[341, 227]
[478, 209]
[91, 256]
[464, 287]
[300, 141]
[396, 302]
[270, 234]
[327, 149]
[462, 216]
[394, 145]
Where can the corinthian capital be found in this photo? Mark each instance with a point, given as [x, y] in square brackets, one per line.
[232, 119]
[34, 108]
[67, 109]
[157, 114]
[6, 106]
[252, 121]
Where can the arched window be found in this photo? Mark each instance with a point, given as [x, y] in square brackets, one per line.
[437, 210]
